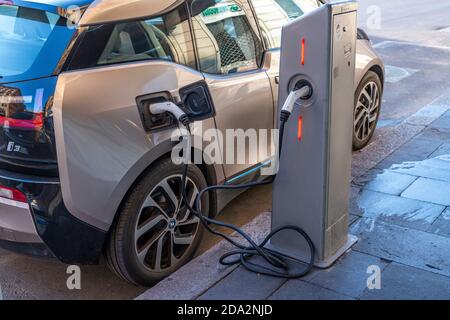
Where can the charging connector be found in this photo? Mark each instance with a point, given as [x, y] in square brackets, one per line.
[168, 106]
[303, 92]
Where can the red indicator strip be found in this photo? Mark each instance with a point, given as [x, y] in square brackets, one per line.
[300, 128]
[303, 51]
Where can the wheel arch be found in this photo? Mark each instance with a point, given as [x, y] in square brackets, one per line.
[380, 72]
[164, 152]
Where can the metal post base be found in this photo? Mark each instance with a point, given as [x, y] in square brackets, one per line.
[321, 264]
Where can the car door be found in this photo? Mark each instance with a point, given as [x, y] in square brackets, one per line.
[230, 53]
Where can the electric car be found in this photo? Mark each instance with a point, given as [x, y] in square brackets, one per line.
[86, 169]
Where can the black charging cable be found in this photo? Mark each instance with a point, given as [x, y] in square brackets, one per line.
[277, 264]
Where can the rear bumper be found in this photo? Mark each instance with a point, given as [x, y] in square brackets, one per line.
[16, 222]
[43, 226]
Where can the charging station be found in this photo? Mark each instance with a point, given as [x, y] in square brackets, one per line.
[311, 190]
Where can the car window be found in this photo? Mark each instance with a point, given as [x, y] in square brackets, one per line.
[167, 37]
[31, 42]
[273, 14]
[227, 36]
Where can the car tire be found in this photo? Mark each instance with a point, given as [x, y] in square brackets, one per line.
[368, 98]
[151, 237]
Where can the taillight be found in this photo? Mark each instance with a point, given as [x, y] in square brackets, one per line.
[12, 194]
[36, 123]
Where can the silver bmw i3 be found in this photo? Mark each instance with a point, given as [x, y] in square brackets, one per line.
[85, 168]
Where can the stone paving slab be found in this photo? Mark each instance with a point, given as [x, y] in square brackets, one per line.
[390, 182]
[243, 285]
[444, 149]
[435, 168]
[417, 149]
[385, 143]
[300, 290]
[442, 225]
[434, 110]
[349, 275]
[430, 190]
[398, 210]
[400, 282]
[415, 248]
[436, 134]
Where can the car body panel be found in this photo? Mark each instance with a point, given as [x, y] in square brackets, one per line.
[94, 127]
[242, 101]
[16, 222]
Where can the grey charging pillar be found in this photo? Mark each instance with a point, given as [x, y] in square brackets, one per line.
[312, 187]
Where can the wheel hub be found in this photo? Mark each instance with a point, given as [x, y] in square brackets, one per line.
[165, 229]
[172, 224]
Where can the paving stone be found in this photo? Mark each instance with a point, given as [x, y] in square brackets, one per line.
[436, 134]
[243, 285]
[364, 179]
[430, 112]
[443, 150]
[441, 123]
[384, 143]
[353, 218]
[434, 168]
[354, 196]
[442, 225]
[349, 275]
[415, 248]
[399, 282]
[417, 149]
[398, 210]
[429, 190]
[390, 182]
[300, 290]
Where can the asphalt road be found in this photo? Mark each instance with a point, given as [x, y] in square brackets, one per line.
[412, 36]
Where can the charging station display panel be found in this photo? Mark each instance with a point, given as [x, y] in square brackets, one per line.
[312, 187]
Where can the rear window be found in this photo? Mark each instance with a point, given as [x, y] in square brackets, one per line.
[31, 42]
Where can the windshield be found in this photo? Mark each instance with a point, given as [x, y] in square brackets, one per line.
[31, 42]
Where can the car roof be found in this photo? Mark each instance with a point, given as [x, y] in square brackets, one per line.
[52, 5]
[103, 11]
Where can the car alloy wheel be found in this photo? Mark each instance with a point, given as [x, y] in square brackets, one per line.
[165, 228]
[366, 111]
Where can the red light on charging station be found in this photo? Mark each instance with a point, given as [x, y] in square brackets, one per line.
[303, 51]
[300, 128]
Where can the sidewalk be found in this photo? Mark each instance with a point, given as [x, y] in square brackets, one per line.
[400, 211]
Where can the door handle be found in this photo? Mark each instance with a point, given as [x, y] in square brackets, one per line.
[277, 79]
